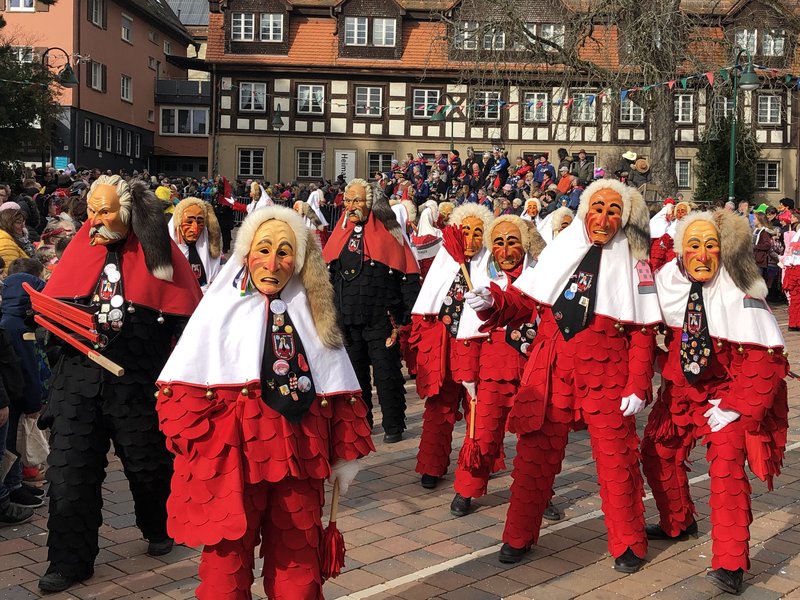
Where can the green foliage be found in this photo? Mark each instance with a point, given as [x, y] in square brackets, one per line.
[713, 160]
[28, 106]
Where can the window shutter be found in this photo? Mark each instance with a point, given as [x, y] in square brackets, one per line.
[88, 74]
[89, 11]
[105, 13]
[104, 77]
[41, 6]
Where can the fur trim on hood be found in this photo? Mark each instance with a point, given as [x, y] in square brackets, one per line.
[148, 224]
[212, 225]
[304, 209]
[736, 248]
[557, 220]
[309, 266]
[530, 238]
[411, 209]
[471, 209]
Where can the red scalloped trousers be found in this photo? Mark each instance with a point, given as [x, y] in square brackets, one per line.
[665, 464]
[791, 283]
[285, 517]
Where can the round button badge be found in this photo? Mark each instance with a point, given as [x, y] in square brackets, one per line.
[113, 276]
[277, 306]
[117, 301]
[280, 367]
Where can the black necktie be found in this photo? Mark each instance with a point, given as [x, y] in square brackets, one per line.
[351, 258]
[453, 305]
[574, 307]
[196, 264]
[696, 346]
[286, 383]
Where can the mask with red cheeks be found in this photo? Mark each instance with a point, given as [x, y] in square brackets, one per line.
[271, 260]
[507, 247]
[701, 251]
[193, 221]
[472, 230]
[604, 217]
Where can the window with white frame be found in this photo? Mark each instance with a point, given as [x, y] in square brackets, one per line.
[152, 63]
[684, 109]
[167, 46]
[486, 106]
[629, 112]
[251, 162]
[252, 97]
[767, 174]
[583, 107]
[97, 10]
[119, 141]
[127, 28]
[128, 142]
[87, 133]
[152, 36]
[23, 54]
[425, 103]
[151, 115]
[355, 31]
[522, 40]
[769, 109]
[184, 121]
[98, 136]
[137, 145]
[368, 101]
[772, 42]
[310, 99]
[745, 38]
[126, 88]
[242, 27]
[466, 35]
[384, 32]
[723, 108]
[683, 171]
[271, 27]
[379, 162]
[109, 137]
[97, 77]
[309, 164]
[536, 107]
[494, 39]
[552, 33]
[21, 6]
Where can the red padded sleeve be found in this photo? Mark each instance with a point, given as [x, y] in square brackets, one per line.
[641, 357]
[510, 306]
[755, 380]
[350, 431]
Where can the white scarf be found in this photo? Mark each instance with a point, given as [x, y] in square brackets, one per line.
[314, 200]
[223, 343]
[211, 265]
[263, 201]
[437, 283]
[659, 224]
[731, 315]
[618, 294]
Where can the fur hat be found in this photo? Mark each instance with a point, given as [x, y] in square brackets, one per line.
[304, 209]
[557, 220]
[309, 267]
[736, 248]
[530, 238]
[212, 225]
[470, 209]
[411, 209]
[535, 201]
[635, 214]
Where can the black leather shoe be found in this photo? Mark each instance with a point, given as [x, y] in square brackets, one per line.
[56, 582]
[551, 513]
[730, 581]
[654, 532]
[160, 548]
[429, 481]
[510, 555]
[628, 562]
[460, 506]
[392, 438]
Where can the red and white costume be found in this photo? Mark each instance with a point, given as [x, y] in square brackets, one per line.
[244, 473]
[443, 361]
[747, 373]
[662, 231]
[569, 385]
[427, 240]
[790, 261]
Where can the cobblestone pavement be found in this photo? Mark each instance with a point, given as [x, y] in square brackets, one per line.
[403, 543]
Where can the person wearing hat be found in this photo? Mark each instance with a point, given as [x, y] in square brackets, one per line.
[583, 168]
[565, 180]
[723, 385]
[641, 172]
[543, 167]
[590, 365]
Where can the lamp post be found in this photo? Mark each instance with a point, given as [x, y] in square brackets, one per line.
[748, 81]
[277, 123]
[439, 116]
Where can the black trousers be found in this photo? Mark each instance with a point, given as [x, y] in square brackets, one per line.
[81, 433]
[366, 347]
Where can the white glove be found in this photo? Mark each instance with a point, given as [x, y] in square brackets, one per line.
[479, 299]
[344, 472]
[631, 405]
[718, 418]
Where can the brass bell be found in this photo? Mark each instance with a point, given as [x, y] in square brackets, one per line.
[324, 403]
[156, 394]
[770, 351]
[644, 329]
[210, 394]
[353, 400]
[719, 343]
[245, 391]
[740, 350]
[785, 354]
[167, 391]
[466, 342]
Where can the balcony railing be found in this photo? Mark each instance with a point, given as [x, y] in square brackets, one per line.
[183, 91]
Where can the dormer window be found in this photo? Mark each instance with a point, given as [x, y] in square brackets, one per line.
[243, 27]
[271, 27]
[494, 40]
[357, 31]
[766, 42]
[746, 38]
[552, 33]
[383, 32]
[466, 35]
[772, 42]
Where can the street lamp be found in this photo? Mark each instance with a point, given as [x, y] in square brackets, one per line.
[66, 77]
[277, 123]
[748, 81]
[439, 116]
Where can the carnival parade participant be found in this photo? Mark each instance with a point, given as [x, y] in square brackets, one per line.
[662, 232]
[195, 230]
[513, 246]
[723, 384]
[254, 438]
[590, 365]
[560, 219]
[123, 267]
[790, 262]
[445, 337]
[375, 282]
[427, 239]
[310, 219]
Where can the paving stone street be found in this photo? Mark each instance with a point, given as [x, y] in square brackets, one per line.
[403, 543]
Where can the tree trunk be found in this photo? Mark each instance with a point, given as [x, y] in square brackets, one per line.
[662, 144]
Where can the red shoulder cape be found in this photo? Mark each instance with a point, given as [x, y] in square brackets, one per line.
[79, 269]
[379, 245]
